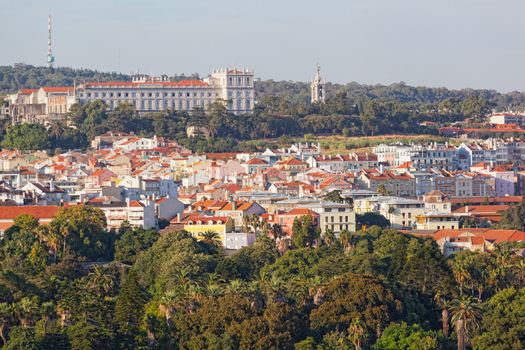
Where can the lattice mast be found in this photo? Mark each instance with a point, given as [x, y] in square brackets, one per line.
[50, 57]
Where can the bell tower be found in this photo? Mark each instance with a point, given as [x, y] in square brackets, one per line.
[317, 87]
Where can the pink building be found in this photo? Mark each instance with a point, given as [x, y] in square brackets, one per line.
[286, 220]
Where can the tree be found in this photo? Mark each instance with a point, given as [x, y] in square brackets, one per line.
[305, 231]
[514, 217]
[357, 333]
[129, 309]
[85, 335]
[48, 312]
[445, 305]
[211, 238]
[466, 313]
[21, 338]
[83, 230]
[329, 237]
[6, 317]
[27, 137]
[351, 296]
[501, 326]
[400, 336]
[101, 280]
[26, 310]
[132, 241]
[334, 196]
[348, 240]
[381, 189]
[372, 219]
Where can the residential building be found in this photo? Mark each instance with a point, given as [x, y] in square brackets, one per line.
[136, 213]
[334, 216]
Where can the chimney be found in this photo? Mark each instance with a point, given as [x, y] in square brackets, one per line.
[52, 185]
[234, 205]
[179, 217]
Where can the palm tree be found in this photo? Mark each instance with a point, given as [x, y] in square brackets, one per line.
[101, 279]
[212, 287]
[329, 236]
[445, 305]
[348, 240]
[381, 189]
[519, 272]
[276, 231]
[167, 305]
[53, 242]
[6, 317]
[461, 275]
[48, 311]
[42, 233]
[466, 313]
[235, 286]
[212, 238]
[255, 222]
[357, 333]
[272, 286]
[26, 309]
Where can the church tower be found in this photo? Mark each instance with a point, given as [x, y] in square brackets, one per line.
[317, 87]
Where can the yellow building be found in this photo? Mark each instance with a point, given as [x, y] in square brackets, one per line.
[196, 225]
[437, 221]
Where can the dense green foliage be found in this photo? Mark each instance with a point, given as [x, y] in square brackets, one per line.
[19, 76]
[27, 137]
[376, 289]
[283, 109]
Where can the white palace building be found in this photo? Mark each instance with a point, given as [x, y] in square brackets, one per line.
[234, 87]
[153, 94]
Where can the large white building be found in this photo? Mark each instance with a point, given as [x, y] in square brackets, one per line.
[151, 94]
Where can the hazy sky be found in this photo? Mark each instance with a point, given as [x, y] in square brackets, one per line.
[452, 43]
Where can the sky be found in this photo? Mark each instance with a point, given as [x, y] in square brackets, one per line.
[439, 43]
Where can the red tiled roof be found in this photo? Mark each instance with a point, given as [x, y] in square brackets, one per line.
[494, 236]
[301, 211]
[57, 88]
[256, 161]
[28, 91]
[149, 83]
[39, 212]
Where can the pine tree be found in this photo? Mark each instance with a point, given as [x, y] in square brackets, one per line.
[129, 310]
